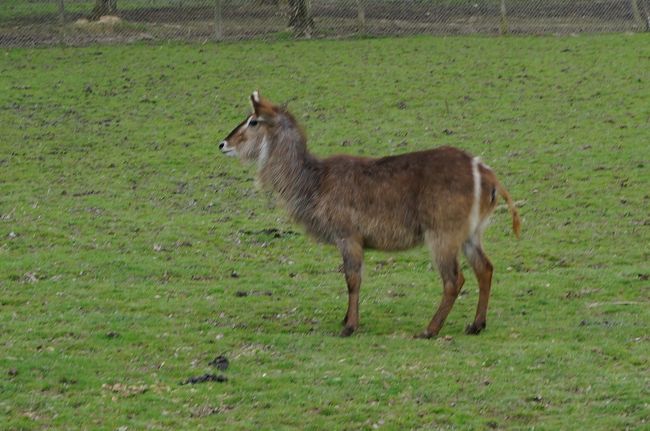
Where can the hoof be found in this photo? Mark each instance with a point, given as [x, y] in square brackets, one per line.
[347, 331]
[474, 329]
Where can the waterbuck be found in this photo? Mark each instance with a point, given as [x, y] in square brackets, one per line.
[442, 197]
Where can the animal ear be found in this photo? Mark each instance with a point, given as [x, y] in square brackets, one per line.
[256, 101]
[261, 106]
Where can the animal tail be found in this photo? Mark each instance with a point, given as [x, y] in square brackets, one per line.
[516, 220]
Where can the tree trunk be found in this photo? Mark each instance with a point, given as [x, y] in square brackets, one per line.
[300, 20]
[103, 7]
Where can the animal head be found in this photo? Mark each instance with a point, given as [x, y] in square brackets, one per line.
[250, 139]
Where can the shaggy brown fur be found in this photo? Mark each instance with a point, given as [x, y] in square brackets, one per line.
[390, 203]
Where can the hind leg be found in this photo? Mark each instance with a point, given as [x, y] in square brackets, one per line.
[452, 282]
[446, 258]
[483, 270]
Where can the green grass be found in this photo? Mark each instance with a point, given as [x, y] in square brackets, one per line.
[121, 226]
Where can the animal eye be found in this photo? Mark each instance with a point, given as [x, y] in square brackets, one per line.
[252, 123]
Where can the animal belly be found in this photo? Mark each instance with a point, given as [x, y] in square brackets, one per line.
[380, 235]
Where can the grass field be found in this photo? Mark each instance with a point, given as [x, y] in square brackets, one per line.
[132, 253]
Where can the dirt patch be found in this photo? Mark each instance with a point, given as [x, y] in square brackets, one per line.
[106, 20]
[125, 390]
[269, 232]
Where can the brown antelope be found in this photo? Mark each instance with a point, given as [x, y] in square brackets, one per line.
[442, 197]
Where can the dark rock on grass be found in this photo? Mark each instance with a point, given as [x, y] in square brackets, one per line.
[220, 362]
[205, 378]
[243, 293]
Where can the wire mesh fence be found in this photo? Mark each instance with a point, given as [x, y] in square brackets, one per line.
[80, 22]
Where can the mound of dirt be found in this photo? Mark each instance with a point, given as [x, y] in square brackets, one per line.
[104, 21]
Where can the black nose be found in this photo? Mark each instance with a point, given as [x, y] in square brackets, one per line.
[221, 145]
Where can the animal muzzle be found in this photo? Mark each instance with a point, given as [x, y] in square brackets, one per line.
[225, 149]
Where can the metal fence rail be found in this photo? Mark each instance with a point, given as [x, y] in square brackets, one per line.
[80, 22]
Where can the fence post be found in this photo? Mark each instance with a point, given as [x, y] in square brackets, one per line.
[61, 12]
[310, 29]
[636, 13]
[503, 24]
[361, 16]
[61, 21]
[218, 20]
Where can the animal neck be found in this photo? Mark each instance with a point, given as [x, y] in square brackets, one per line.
[287, 167]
